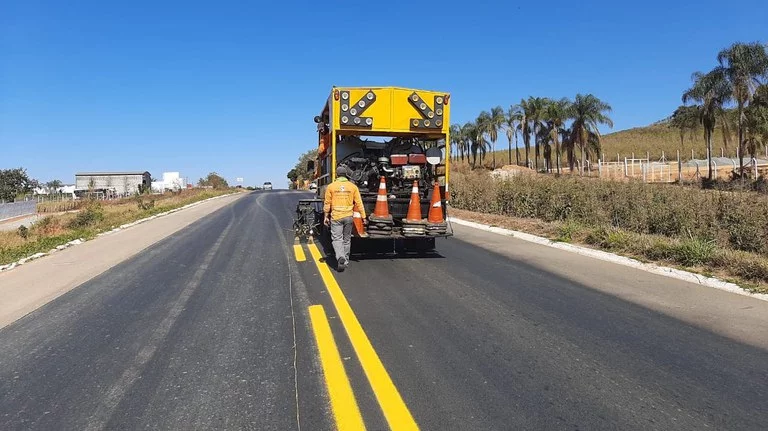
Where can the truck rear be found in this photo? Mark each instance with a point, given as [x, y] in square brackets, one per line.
[396, 144]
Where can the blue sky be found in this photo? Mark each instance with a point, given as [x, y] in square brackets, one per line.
[232, 86]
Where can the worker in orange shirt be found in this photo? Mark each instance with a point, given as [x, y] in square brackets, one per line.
[342, 200]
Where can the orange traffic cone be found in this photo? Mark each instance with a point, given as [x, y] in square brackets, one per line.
[357, 220]
[436, 206]
[382, 208]
[414, 207]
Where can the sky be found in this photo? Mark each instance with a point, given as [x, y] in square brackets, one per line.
[232, 87]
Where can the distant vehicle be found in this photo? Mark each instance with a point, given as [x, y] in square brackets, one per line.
[267, 186]
[313, 186]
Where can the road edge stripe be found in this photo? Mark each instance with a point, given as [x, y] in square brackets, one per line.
[392, 405]
[343, 403]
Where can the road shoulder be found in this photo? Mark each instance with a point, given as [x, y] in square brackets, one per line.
[739, 317]
[35, 283]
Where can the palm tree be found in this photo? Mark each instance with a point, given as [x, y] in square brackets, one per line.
[535, 115]
[710, 91]
[588, 113]
[494, 124]
[521, 112]
[555, 114]
[743, 64]
[756, 120]
[510, 128]
[686, 120]
[456, 141]
[467, 134]
[484, 125]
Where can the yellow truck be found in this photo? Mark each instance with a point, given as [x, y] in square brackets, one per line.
[394, 136]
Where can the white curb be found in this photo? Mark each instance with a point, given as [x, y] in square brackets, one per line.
[79, 241]
[621, 260]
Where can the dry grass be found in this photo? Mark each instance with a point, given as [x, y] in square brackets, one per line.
[722, 230]
[91, 218]
[656, 138]
[748, 270]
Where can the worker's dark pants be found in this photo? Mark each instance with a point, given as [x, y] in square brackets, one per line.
[341, 237]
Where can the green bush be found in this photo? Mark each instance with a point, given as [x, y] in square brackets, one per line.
[88, 216]
[736, 220]
[23, 231]
[695, 251]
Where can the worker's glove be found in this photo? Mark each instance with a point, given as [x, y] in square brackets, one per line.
[327, 221]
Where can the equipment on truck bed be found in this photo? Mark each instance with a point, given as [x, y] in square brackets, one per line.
[395, 143]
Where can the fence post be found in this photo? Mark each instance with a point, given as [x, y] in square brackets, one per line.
[679, 168]
[618, 158]
[600, 167]
[648, 155]
[644, 170]
[722, 152]
[626, 172]
[693, 157]
[754, 168]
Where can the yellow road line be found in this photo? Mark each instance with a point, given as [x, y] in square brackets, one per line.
[392, 405]
[299, 253]
[343, 403]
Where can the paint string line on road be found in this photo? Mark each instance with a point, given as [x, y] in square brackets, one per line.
[343, 403]
[392, 405]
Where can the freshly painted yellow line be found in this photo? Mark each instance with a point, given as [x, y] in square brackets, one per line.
[392, 405]
[299, 253]
[343, 403]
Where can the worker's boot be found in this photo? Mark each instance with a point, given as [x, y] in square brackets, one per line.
[342, 264]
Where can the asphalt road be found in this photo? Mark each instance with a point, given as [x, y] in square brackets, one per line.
[209, 329]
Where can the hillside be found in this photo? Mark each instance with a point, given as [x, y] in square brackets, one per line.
[660, 137]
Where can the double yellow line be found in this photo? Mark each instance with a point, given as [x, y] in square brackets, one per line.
[345, 409]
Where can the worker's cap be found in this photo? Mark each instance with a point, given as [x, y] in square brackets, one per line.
[342, 171]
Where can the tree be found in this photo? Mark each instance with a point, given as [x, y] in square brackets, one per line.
[467, 133]
[293, 175]
[588, 113]
[522, 115]
[53, 186]
[535, 115]
[482, 127]
[13, 183]
[710, 91]
[555, 114]
[494, 123]
[456, 141]
[756, 120]
[510, 128]
[213, 180]
[686, 120]
[742, 65]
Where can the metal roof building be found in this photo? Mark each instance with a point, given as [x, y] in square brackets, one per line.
[121, 183]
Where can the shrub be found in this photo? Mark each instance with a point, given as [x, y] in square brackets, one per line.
[88, 216]
[695, 251]
[144, 205]
[47, 226]
[566, 231]
[23, 232]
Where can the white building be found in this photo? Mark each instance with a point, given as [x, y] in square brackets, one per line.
[171, 181]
